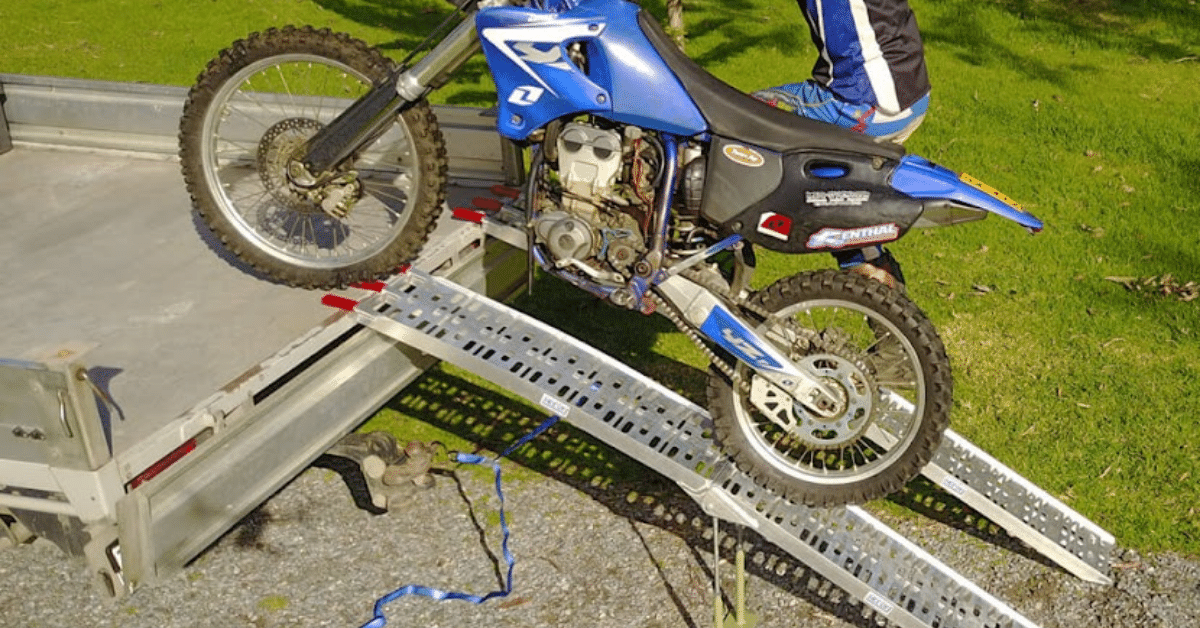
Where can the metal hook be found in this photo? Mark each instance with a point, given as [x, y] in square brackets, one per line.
[82, 375]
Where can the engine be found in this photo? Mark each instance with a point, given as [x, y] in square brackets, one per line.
[596, 204]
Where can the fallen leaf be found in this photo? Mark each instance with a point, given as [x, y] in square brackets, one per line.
[1124, 281]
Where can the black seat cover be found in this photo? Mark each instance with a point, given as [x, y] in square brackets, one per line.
[736, 115]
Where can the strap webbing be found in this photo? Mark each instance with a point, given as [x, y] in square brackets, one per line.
[379, 620]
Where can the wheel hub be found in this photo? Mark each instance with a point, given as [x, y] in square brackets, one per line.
[846, 377]
[277, 150]
[288, 181]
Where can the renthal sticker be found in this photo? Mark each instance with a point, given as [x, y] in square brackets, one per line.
[775, 225]
[837, 198]
[829, 238]
[742, 155]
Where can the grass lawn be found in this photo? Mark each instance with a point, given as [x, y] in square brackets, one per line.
[1076, 351]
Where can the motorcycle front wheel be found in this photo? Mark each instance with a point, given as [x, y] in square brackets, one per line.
[248, 118]
[877, 352]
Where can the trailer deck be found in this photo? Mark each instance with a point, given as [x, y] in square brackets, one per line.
[116, 292]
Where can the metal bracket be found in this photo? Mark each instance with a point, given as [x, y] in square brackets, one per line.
[48, 413]
[392, 473]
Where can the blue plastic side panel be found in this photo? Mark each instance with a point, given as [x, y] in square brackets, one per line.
[536, 83]
[920, 178]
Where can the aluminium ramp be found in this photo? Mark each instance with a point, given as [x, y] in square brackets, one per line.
[664, 431]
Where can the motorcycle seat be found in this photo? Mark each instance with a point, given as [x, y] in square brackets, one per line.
[737, 115]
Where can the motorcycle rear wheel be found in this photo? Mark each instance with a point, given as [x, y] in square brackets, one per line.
[249, 115]
[874, 347]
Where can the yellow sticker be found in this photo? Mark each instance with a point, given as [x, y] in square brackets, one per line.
[980, 185]
[744, 155]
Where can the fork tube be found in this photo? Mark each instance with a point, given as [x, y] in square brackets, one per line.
[372, 114]
[353, 128]
[435, 68]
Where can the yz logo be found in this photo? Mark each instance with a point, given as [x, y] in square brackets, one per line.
[748, 351]
[530, 53]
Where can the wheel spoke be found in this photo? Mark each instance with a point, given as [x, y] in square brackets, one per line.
[251, 113]
[874, 349]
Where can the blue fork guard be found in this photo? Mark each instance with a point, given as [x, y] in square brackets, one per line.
[920, 178]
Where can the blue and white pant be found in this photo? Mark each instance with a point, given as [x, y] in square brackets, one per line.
[813, 100]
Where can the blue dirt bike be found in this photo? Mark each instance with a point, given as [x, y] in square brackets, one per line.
[651, 184]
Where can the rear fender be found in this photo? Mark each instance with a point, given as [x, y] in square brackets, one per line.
[952, 198]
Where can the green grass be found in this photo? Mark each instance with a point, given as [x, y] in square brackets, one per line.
[1088, 111]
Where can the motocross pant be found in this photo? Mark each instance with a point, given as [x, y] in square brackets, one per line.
[812, 100]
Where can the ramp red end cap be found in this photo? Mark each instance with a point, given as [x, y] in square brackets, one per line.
[341, 303]
[470, 215]
[487, 204]
[505, 191]
[374, 286]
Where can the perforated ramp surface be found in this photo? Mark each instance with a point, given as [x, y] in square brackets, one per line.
[664, 431]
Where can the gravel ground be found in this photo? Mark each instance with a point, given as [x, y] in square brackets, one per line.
[588, 553]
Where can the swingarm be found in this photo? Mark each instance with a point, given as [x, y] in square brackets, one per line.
[718, 323]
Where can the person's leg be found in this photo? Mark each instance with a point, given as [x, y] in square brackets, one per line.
[812, 100]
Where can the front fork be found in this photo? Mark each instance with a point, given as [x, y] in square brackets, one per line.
[373, 113]
[708, 314]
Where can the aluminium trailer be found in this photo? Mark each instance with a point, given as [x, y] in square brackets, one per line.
[152, 390]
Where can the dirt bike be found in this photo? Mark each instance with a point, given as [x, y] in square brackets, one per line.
[650, 184]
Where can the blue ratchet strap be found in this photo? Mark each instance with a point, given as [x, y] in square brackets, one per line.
[379, 621]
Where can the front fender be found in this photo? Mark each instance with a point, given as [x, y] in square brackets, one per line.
[920, 178]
